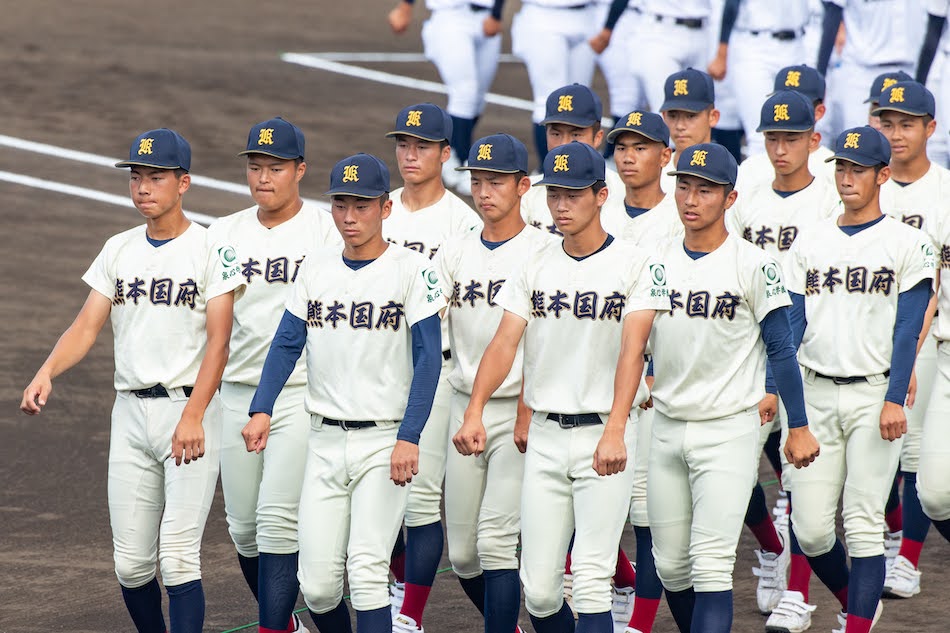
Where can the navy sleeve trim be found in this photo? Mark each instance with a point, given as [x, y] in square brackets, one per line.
[282, 357]
[782, 357]
[426, 367]
[911, 306]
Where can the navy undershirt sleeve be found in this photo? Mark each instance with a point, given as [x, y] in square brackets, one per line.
[781, 350]
[928, 50]
[730, 11]
[796, 318]
[497, 8]
[829, 31]
[617, 7]
[426, 367]
[911, 306]
[282, 357]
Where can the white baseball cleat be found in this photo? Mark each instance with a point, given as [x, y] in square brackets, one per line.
[630, 629]
[622, 605]
[397, 593]
[892, 547]
[405, 624]
[843, 618]
[298, 626]
[791, 615]
[464, 184]
[902, 580]
[772, 572]
[569, 592]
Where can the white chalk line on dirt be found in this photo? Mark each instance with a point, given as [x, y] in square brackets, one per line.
[343, 56]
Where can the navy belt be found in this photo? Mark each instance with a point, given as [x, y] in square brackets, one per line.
[847, 380]
[782, 36]
[570, 420]
[158, 391]
[478, 7]
[447, 354]
[690, 23]
[350, 425]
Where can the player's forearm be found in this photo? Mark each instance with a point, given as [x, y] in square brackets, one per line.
[928, 49]
[928, 321]
[626, 384]
[494, 367]
[829, 32]
[71, 348]
[730, 11]
[426, 367]
[617, 7]
[281, 359]
[217, 350]
[911, 306]
[781, 351]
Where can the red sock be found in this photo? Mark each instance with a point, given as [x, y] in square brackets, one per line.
[767, 536]
[264, 629]
[799, 575]
[644, 614]
[911, 550]
[625, 576]
[415, 602]
[857, 625]
[397, 565]
[842, 596]
[567, 563]
[292, 625]
[894, 519]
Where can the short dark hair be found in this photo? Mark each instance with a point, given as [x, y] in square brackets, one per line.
[179, 172]
[597, 186]
[519, 175]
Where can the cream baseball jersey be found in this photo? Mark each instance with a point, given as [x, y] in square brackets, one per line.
[772, 222]
[708, 353]
[922, 203]
[580, 305]
[657, 225]
[761, 15]
[851, 284]
[882, 31]
[757, 170]
[680, 9]
[159, 297]
[358, 319]
[424, 230]
[472, 275]
[269, 263]
[535, 211]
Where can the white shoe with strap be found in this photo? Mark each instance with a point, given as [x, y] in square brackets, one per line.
[405, 624]
[843, 618]
[773, 580]
[791, 615]
[902, 579]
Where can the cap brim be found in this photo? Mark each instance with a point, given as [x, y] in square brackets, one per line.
[346, 191]
[491, 169]
[783, 128]
[562, 121]
[565, 184]
[614, 133]
[685, 172]
[873, 99]
[685, 106]
[869, 162]
[877, 111]
[274, 154]
[414, 135]
[135, 163]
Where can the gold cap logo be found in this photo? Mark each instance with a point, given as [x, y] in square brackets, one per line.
[350, 173]
[699, 158]
[484, 152]
[780, 112]
[680, 87]
[145, 145]
[266, 136]
[793, 79]
[851, 140]
[560, 163]
[565, 103]
[414, 118]
[635, 119]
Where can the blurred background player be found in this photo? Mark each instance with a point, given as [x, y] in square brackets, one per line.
[424, 214]
[863, 267]
[262, 490]
[917, 193]
[690, 113]
[355, 318]
[169, 291]
[755, 40]
[462, 39]
[483, 492]
[932, 72]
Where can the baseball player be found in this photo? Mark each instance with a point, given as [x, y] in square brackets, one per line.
[599, 295]
[916, 194]
[937, 11]
[863, 267]
[882, 37]
[726, 295]
[262, 490]
[462, 39]
[483, 493]
[573, 113]
[754, 40]
[424, 214]
[168, 290]
[757, 169]
[881, 83]
[690, 113]
[376, 306]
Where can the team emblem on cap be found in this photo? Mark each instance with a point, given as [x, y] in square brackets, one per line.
[793, 78]
[781, 112]
[560, 163]
[635, 119]
[851, 141]
[484, 152]
[888, 82]
[897, 95]
[680, 87]
[699, 158]
[266, 136]
[565, 103]
[145, 145]
[414, 118]
[351, 173]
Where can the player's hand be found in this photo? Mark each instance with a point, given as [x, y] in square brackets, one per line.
[471, 437]
[522, 424]
[601, 41]
[36, 394]
[801, 447]
[610, 457]
[188, 441]
[717, 67]
[911, 390]
[650, 380]
[255, 432]
[491, 26]
[400, 18]
[404, 462]
[768, 406]
[893, 421]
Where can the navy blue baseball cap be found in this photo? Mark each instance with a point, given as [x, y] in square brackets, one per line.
[689, 90]
[709, 161]
[275, 137]
[575, 105]
[648, 124]
[883, 81]
[801, 78]
[361, 175]
[501, 153]
[787, 111]
[161, 149]
[862, 145]
[908, 97]
[575, 165]
[423, 120]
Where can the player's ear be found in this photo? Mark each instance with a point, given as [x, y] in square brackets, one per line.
[386, 208]
[814, 141]
[883, 175]
[713, 117]
[301, 170]
[446, 152]
[184, 183]
[731, 197]
[524, 185]
[666, 155]
[601, 196]
[930, 127]
[598, 138]
[820, 111]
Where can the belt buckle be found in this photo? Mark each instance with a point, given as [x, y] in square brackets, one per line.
[564, 422]
[344, 425]
[841, 381]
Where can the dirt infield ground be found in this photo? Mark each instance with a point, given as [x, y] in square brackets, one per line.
[89, 75]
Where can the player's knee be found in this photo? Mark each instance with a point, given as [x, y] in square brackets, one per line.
[464, 559]
[423, 509]
[498, 544]
[322, 594]
[133, 572]
[276, 535]
[935, 500]
[541, 603]
[712, 573]
[464, 99]
[591, 587]
[369, 584]
[245, 541]
[179, 568]
[815, 538]
[674, 574]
